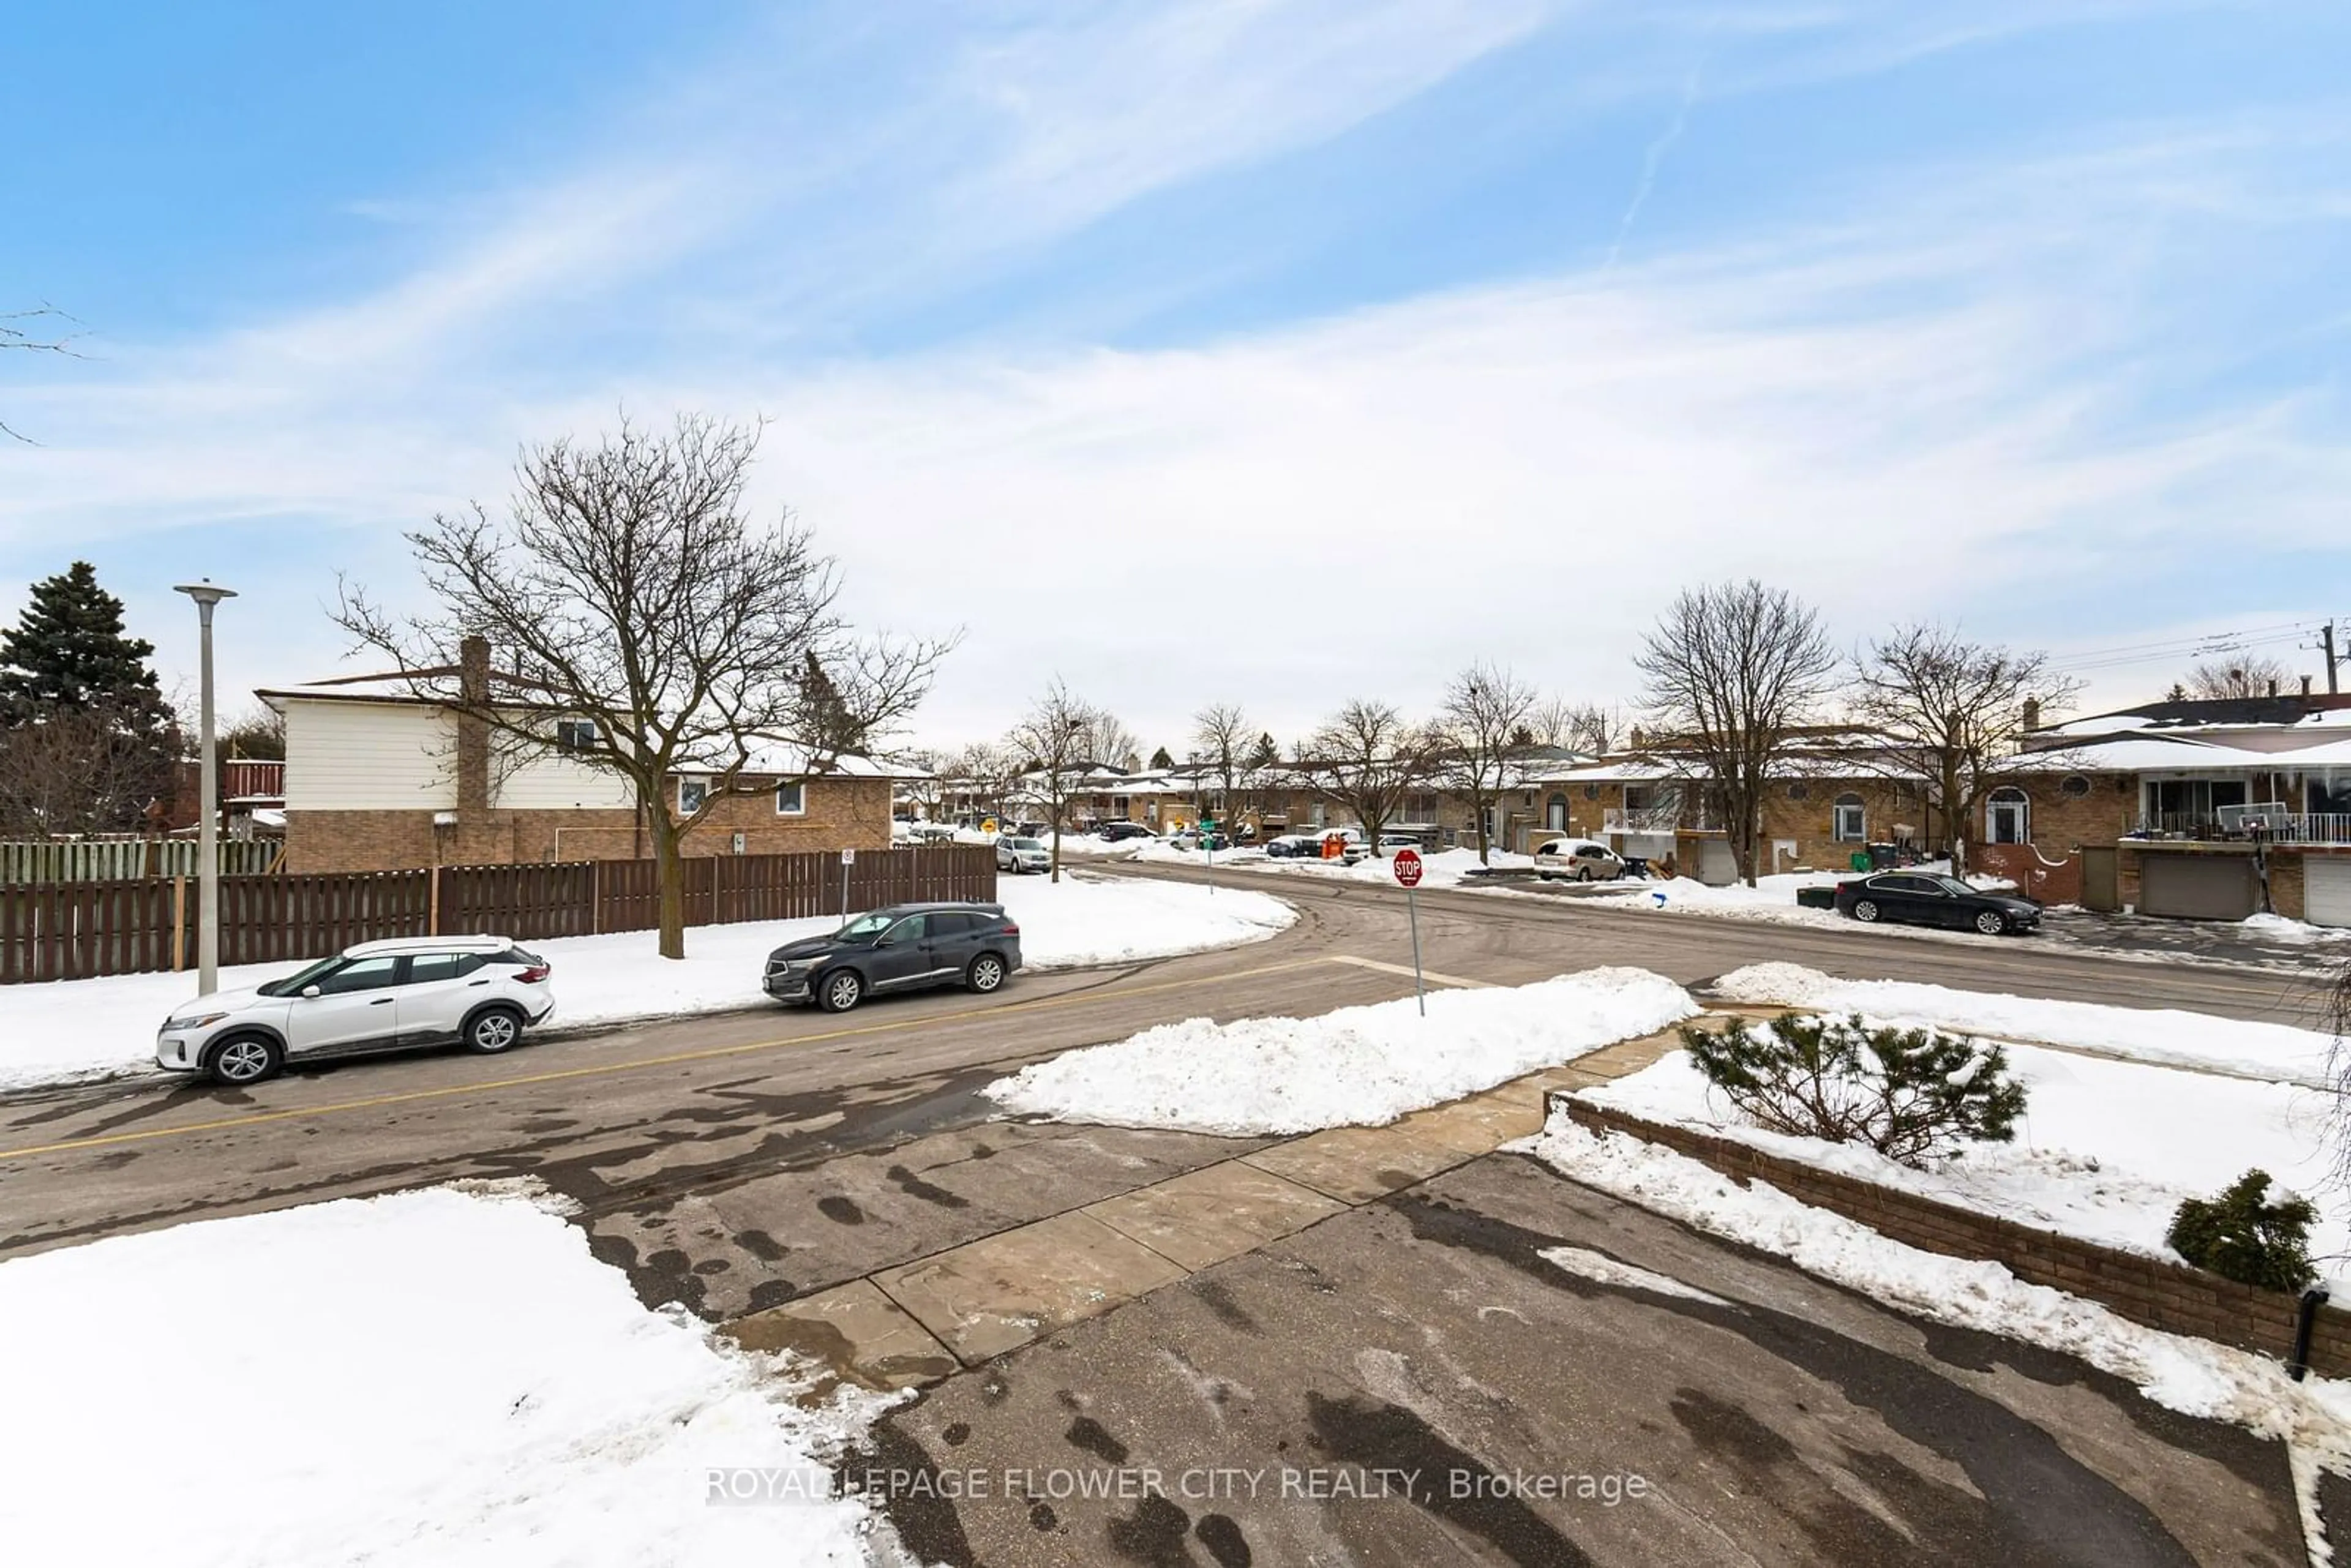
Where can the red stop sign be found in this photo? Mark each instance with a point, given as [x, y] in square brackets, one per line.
[1407, 867]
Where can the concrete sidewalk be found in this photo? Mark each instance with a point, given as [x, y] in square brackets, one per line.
[915, 1322]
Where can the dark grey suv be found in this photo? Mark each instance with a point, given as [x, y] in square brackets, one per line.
[903, 947]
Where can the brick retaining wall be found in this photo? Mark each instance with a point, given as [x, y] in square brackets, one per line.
[2167, 1296]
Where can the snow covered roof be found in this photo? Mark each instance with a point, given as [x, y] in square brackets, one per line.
[779, 760]
[2190, 753]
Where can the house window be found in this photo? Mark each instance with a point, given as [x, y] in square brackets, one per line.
[1803, 792]
[1555, 814]
[791, 799]
[2075, 786]
[1592, 791]
[691, 794]
[1852, 821]
[575, 734]
[2007, 817]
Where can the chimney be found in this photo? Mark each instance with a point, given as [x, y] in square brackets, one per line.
[473, 729]
[2305, 685]
[2032, 713]
[2272, 686]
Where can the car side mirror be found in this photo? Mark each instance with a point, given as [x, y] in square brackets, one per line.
[887, 939]
[310, 991]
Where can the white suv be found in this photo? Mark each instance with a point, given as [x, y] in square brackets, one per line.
[480, 992]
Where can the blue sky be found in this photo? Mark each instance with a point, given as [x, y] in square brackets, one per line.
[1284, 352]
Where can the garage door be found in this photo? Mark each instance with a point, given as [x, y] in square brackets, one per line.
[2197, 887]
[2326, 889]
[1717, 866]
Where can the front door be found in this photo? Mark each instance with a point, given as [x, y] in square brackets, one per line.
[902, 955]
[357, 1009]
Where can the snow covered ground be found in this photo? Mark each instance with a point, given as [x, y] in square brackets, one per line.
[81, 1028]
[2106, 1150]
[2143, 1034]
[1362, 1066]
[2190, 1375]
[434, 1378]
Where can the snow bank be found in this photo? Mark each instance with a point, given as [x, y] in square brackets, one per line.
[1439, 868]
[2106, 1150]
[428, 1377]
[68, 1030]
[2143, 1034]
[1361, 1066]
[2190, 1375]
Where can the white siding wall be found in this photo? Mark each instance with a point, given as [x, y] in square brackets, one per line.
[367, 757]
[551, 782]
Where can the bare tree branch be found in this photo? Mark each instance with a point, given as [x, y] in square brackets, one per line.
[1481, 738]
[2239, 676]
[627, 587]
[1052, 742]
[1732, 670]
[1367, 759]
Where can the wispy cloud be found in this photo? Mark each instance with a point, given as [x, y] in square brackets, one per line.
[1653, 158]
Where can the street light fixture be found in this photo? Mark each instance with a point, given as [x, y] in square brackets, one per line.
[207, 794]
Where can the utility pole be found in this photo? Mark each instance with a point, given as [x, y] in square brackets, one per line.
[2326, 646]
[208, 795]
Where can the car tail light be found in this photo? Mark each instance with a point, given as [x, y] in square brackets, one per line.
[1010, 929]
[535, 974]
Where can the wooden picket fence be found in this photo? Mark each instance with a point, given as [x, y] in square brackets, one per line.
[76, 931]
[29, 860]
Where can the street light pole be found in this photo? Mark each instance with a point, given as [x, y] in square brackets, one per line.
[207, 794]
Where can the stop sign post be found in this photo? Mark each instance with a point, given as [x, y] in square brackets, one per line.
[1407, 868]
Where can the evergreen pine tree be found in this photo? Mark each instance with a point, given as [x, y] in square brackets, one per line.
[1161, 760]
[67, 652]
[1267, 754]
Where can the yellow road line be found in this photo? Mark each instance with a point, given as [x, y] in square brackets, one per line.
[605, 1069]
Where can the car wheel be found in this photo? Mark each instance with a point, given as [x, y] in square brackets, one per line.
[244, 1059]
[986, 973]
[1991, 924]
[493, 1029]
[840, 990]
[1584, 873]
[1865, 911]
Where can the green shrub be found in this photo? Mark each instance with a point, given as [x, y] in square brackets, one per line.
[2241, 1236]
[1908, 1093]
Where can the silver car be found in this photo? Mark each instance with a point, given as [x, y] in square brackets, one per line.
[1017, 854]
[480, 992]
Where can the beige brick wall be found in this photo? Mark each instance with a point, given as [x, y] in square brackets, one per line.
[846, 813]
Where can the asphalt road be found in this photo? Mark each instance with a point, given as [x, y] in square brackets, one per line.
[638, 1115]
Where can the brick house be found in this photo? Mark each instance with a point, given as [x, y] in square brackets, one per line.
[378, 778]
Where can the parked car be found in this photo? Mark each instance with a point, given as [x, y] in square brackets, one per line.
[904, 947]
[1577, 859]
[1193, 839]
[1115, 832]
[1921, 898]
[1291, 846]
[1032, 830]
[481, 992]
[1017, 854]
[1391, 842]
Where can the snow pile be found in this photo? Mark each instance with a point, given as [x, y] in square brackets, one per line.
[428, 1377]
[2278, 928]
[2190, 1375]
[1773, 898]
[1160, 852]
[1438, 868]
[67, 1029]
[2106, 1150]
[2141, 1034]
[1361, 1066]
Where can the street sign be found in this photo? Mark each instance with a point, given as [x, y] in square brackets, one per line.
[849, 857]
[1406, 866]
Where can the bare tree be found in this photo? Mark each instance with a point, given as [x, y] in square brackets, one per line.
[632, 591]
[987, 773]
[1731, 669]
[1053, 741]
[1952, 713]
[1483, 734]
[72, 771]
[1109, 741]
[1366, 759]
[36, 340]
[1220, 749]
[1580, 726]
[2240, 676]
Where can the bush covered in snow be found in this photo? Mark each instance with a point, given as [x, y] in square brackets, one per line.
[2241, 1236]
[1910, 1093]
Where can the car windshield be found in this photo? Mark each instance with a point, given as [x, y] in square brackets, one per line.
[865, 927]
[1027, 844]
[292, 983]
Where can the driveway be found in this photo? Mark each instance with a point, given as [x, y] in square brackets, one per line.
[1413, 1382]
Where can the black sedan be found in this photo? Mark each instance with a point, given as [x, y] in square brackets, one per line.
[1922, 898]
[904, 947]
[1112, 833]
